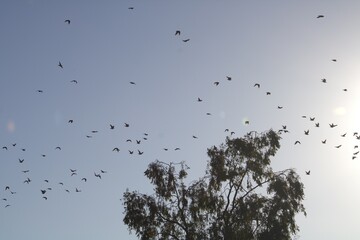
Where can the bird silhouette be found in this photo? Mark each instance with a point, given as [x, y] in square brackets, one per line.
[307, 172]
[116, 149]
[343, 135]
[60, 65]
[323, 141]
[338, 146]
[312, 118]
[43, 191]
[21, 160]
[133, 83]
[334, 60]
[268, 93]
[228, 78]
[280, 107]
[131, 8]
[306, 132]
[199, 99]
[58, 148]
[257, 85]
[138, 141]
[97, 175]
[112, 126]
[186, 40]
[323, 80]
[317, 124]
[216, 83]
[8, 205]
[74, 81]
[77, 190]
[177, 32]
[84, 179]
[297, 142]
[40, 91]
[26, 171]
[68, 21]
[131, 152]
[44, 197]
[320, 16]
[194, 136]
[5, 148]
[103, 171]
[126, 124]
[176, 149]
[128, 140]
[140, 153]
[70, 121]
[332, 125]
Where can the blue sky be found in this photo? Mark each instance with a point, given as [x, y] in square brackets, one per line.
[281, 45]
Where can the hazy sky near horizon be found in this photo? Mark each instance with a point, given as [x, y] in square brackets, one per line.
[279, 44]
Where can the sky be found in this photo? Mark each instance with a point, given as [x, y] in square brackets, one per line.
[281, 45]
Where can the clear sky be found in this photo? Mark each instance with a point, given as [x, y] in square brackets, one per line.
[281, 45]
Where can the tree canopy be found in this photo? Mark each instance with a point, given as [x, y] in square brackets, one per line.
[239, 197]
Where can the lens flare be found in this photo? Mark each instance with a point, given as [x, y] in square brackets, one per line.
[339, 111]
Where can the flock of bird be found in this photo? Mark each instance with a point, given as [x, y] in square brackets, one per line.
[7, 191]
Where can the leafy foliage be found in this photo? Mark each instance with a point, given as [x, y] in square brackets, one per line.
[240, 196]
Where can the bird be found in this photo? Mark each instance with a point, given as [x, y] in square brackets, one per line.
[334, 60]
[186, 40]
[307, 172]
[74, 81]
[194, 136]
[5, 148]
[332, 125]
[280, 107]
[140, 153]
[70, 121]
[345, 90]
[112, 126]
[199, 99]
[77, 190]
[338, 146]
[68, 21]
[323, 80]
[297, 142]
[7, 188]
[138, 141]
[84, 179]
[88, 136]
[43, 191]
[60, 65]
[247, 122]
[131, 8]
[133, 83]
[44, 197]
[97, 175]
[21, 160]
[58, 148]
[208, 113]
[306, 132]
[177, 32]
[74, 173]
[43, 155]
[14, 144]
[128, 140]
[94, 131]
[216, 83]
[23, 149]
[228, 78]
[26, 171]
[323, 141]
[116, 149]
[165, 149]
[343, 135]
[8, 205]
[103, 171]
[40, 91]
[320, 16]
[131, 152]
[46, 180]
[73, 170]
[317, 124]
[61, 183]
[126, 124]
[268, 93]
[226, 130]
[312, 118]
[176, 149]
[232, 133]
[257, 85]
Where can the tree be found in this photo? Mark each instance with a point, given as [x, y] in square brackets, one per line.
[239, 197]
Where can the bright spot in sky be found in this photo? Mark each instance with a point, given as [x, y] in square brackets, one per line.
[339, 111]
[11, 126]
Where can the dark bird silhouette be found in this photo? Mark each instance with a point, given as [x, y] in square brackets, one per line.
[97, 175]
[216, 83]
[268, 93]
[126, 125]
[317, 124]
[353, 157]
[199, 99]
[146, 134]
[306, 132]
[61, 183]
[84, 179]
[140, 153]
[40, 91]
[26, 171]
[138, 141]
[77, 190]
[226, 130]
[23, 149]
[21, 160]
[303, 116]
[7, 188]
[74, 81]
[176, 149]
[44, 197]
[131, 8]
[320, 16]
[343, 135]
[94, 131]
[133, 83]
[323, 80]
[356, 153]
[334, 60]
[323, 141]
[5, 148]
[102, 171]
[88, 136]
[228, 78]
[60, 65]
[128, 140]
[307, 172]
[297, 142]
[74, 173]
[186, 40]
[195, 137]
[8, 205]
[73, 170]
[345, 90]
[43, 155]
[131, 152]
[58, 148]
[247, 122]
[332, 125]
[46, 180]
[165, 149]
[112, 126]
[43, 191]
[208, 114]
[68, 21]
[338, 146]
[70, 121]
[312, 118]
[177, 32]
[280, 107]
[232, 133]
[14, 144]
[257, 85]
[116, 149]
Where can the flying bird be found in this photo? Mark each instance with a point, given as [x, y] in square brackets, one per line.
[70, 121]
[102, 171]
[306, 132]
[216, 83]
[5, 148]
[307, 172]
[268, 93]
[332, 125]
[140, 153]
[280, 107]
[186, 40]
[60, 65]
[323, 80]
[195, 137]
[199, 99]
[40, 91]
[126, 124]
[177, 32]
[338, 146]
[176, 149]
[67, 21]
[343, 135]
[43, 191]
[131, 8]
[257, 85]
[320, 16]
[334, 60]
[131, 152]
[138, 141]
[116, 149]
[317, 124]
[297, 142]
[74, 81]
[84, 179]
[97, 175]
[228, 78]
[133, 83]
[323, 141]
[21, 160]
[312, 118]
[58, 148]
[112, 126]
